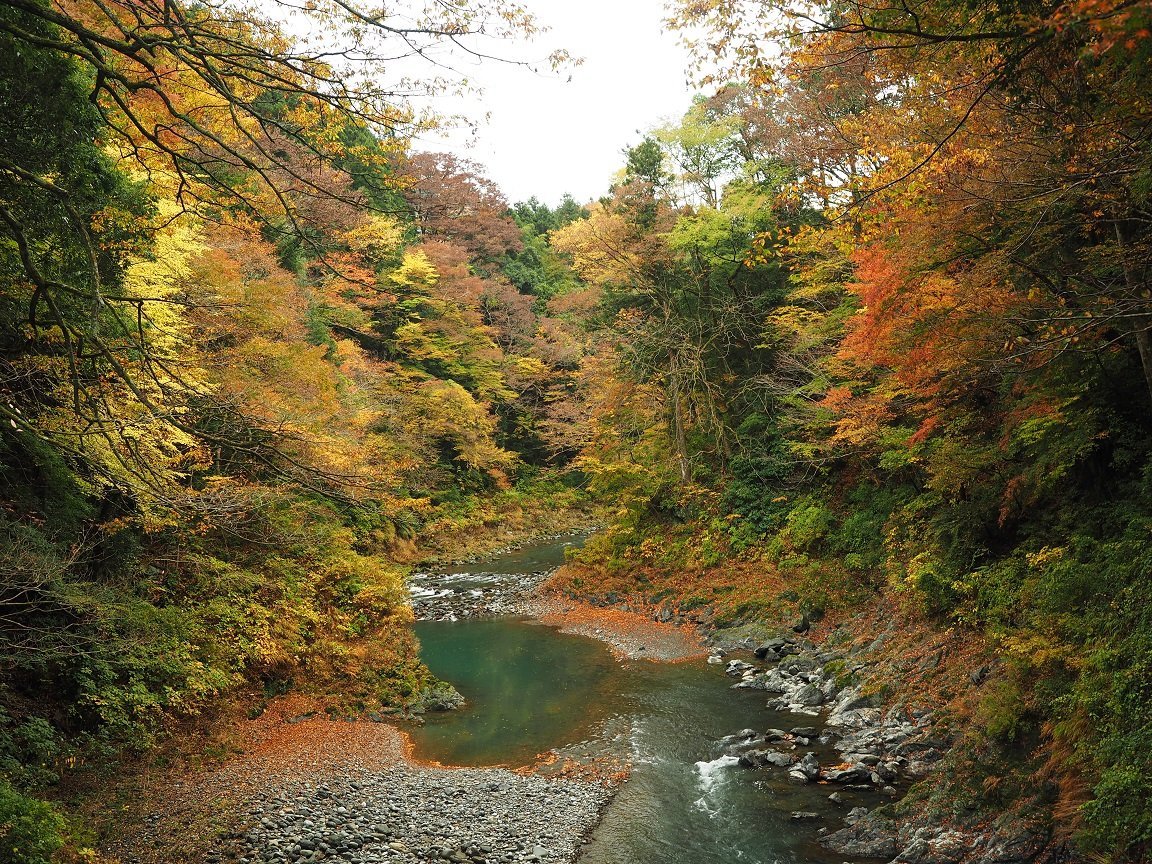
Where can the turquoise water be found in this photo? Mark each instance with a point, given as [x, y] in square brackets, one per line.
[531, 689]
[529, 558]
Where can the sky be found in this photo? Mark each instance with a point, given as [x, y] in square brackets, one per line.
[547, 135]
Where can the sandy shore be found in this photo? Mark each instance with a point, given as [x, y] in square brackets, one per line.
[629, 634]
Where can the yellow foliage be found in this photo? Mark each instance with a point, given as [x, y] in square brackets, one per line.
[448, 410]
[1037, 651]
[598, 246]
[157, 279]
[376, 239]
[415, 271]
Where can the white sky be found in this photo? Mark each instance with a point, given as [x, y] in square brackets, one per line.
[547, 135]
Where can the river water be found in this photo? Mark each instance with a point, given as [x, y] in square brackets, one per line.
[532, 689]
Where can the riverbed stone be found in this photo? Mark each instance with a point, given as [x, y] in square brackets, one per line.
[935, 845]
[809, 696]
[844, 775]
[766, 758]
[737, 668]
[462, 815]
[1013, 844]
[866, 838]
[809, 766]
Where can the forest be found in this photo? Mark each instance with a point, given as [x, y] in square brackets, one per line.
[868, 328]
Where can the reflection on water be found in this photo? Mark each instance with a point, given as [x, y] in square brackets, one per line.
[530, 558]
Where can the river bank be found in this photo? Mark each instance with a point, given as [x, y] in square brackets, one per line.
[629, 635]
[249, 792]
[304, 788]
[886, 697]
[511, 580]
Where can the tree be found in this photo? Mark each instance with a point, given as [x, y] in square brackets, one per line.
[704, 148]
[975, 119]
[204, 94]
[686, 300]
[218, 112]
[451, 199]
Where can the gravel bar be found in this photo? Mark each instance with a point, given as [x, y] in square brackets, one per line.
[414, 813]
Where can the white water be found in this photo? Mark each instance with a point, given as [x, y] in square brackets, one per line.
[709, 775]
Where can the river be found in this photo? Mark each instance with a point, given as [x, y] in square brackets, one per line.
[532, 689]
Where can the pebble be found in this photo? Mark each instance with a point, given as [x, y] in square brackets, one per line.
[488, 595]
[408, 814]
[439, 596]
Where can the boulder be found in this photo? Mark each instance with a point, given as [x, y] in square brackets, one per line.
[1013, 845]
[810, 696]
[772, 646]
[809, 766]
[852, 709]
[751, 682]
[844, 775]
[736, 668]
[867, 838]
[440, 696]
[935, 845]
[799, 664]
[766, 758]
[773, 682]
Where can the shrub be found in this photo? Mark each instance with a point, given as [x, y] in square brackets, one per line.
[29, 829]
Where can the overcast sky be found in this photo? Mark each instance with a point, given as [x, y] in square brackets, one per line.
[548, 135]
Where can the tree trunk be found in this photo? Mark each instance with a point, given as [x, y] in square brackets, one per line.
[676, 398]
[1144, 346]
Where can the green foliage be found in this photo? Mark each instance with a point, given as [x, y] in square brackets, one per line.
[29, 751]
[30, 830]
[1002, 711]
[536, 219]
[539, 270]
[1118, 814]
[646, 163]
[48, 127]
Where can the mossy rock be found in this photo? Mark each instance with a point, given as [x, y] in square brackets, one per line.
[439, 696]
